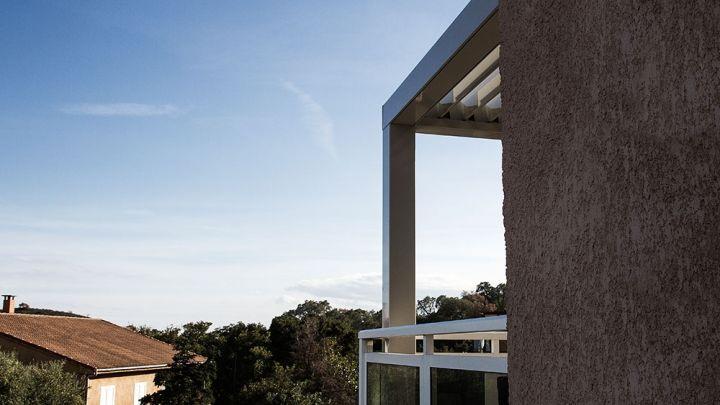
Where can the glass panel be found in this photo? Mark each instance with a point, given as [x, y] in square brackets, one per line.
[389, 384]
[461, 387]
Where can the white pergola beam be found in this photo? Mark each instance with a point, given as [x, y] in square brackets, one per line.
[469, 129]
[474, 33]
[467, 84]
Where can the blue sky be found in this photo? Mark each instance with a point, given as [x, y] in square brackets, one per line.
[162, 162]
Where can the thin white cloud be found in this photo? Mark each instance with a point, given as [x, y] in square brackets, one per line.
[364, 290]
[120, 109]
[361, 288]
[316, 119]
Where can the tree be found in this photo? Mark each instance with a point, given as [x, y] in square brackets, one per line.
[168, 335]
[235, 356]
[51, 385]
[485, 300]
[283, 335]
[319, 344]
[341, 324]
[190, 378]
[322, 362]
[281, 388]
[241, 352]
[307, 356]
[496, 295]
[187, 382]
[426, 307]
[37, 384]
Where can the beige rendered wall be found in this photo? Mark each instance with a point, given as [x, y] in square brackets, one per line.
[124, 387]
[31, 354]
[611, 174]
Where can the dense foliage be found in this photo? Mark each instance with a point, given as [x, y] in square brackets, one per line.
[37, 384]
[308, 355]
[485, 300]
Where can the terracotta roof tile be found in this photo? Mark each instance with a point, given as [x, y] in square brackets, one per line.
[95, 343]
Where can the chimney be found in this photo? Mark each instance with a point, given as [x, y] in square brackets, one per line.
[8, 304]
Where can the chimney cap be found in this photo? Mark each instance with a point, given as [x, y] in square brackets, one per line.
[6, 296]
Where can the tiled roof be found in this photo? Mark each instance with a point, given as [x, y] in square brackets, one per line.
[94, 343]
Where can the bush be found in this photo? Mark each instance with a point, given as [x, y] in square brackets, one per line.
[37, 384]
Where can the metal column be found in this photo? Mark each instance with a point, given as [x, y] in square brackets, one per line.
[399, 232]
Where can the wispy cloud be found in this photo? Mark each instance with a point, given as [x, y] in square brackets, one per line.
[316, 119]
[361, 289]
[119, 109]
[364, 290]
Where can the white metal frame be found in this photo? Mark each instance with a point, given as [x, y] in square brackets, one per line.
[489, 328]
[464, 57]
[461, 65]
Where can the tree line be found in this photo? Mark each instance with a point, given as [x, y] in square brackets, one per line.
[308, 355]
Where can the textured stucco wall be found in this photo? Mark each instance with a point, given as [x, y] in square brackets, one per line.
[611, 172]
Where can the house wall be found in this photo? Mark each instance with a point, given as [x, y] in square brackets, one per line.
[124, 383]
[124, 387]
[611, 174]
[31, 354]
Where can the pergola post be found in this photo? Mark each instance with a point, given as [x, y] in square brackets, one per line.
[399, 232]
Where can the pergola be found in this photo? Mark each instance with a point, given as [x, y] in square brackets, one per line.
[455, 91]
